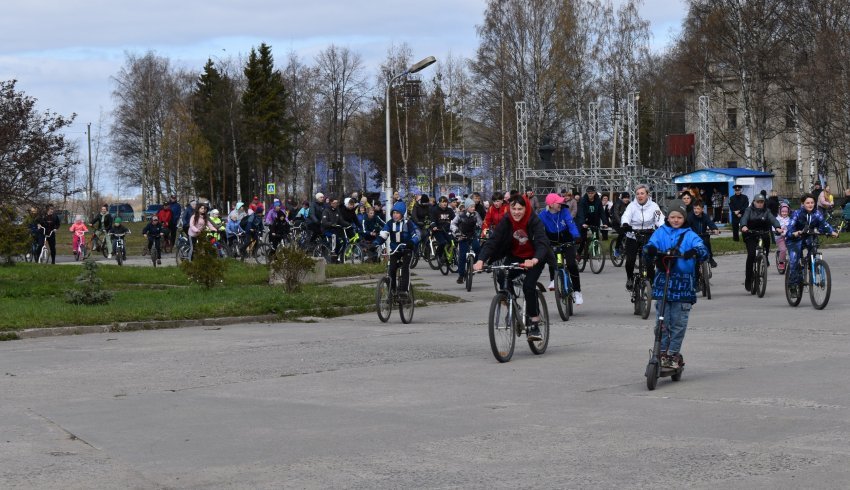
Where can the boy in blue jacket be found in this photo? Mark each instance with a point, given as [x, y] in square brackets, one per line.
[674, 238]
[400, 232]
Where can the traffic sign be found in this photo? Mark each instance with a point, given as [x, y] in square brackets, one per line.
[271, 189]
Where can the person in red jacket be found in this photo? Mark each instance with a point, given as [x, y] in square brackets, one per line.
[495, 213]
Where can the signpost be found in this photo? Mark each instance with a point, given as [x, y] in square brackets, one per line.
[271, 189]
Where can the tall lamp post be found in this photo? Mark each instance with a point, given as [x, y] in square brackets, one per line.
[421, 65]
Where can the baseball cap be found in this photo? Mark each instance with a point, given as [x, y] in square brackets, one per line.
[554, 199]
[758, 197]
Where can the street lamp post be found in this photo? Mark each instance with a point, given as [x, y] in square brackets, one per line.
[421, 65]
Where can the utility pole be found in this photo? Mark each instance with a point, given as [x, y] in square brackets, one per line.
[91, 183]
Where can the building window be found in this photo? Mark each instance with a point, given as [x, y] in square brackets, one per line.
[790, 119]
[791, 171]
[732, 118]
[731, 164]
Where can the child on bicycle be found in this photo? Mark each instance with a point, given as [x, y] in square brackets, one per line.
[465, 224]
[784, 219]
[233, 229]
[153, 231]
[701, 223]
[677, 240]
[79, 230]
[118, 228]
[403, 235]
[805, 220]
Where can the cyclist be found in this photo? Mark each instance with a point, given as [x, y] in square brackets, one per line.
[400, 232]
[333, 223]
[421, 214]
[465, 224]
[756, 218]
[153, 231]
[617, 211]
[521, 238]
[278, 229]
[314, 217]
[441, 219]
[700, 222]
[233, 230]
[118, 228]
[607, 205]
[675, 238]
[371, 226]
[198, 223]
[589, 214]
[49, 223]
[102, 224]
[803, 220]
[560, 228]
[642, 214]
[784, 219]
[176, 211]
[496, 212]
[479, 206]
[348, 212]
[78, 226]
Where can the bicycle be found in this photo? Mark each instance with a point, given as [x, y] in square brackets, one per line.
[44, 255]
[759, 285]
[80, 253]
[183, 248]
[470, 259]
[563, 282]
[815, 273]
[505, 326]
[617, 253]
[429, 252]
[254, 248]
[641, 294]
[704, 273]
[118, 247]
[351, 252]
[386, 296]
[155, 251]
[98, 244]
[593, 252]
[448, 261]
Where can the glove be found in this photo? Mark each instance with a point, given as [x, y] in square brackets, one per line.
[690, 254]
[626, 227]
[651, 250]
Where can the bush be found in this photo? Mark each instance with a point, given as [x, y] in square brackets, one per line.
[89, 290]
[292, 264]
[205, 268]
[15, 238]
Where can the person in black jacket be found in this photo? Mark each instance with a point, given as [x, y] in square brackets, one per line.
[521, 238]
[738, 203]
[441, 220]
[314, 217]
[756, 218]
[479, 207]
[589, 214]
[49, 223]
[333, 223]
[153, 231]
[701, 223]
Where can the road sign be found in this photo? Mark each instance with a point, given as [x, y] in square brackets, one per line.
[271, 189]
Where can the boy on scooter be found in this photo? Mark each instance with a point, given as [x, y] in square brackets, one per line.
[675, 239]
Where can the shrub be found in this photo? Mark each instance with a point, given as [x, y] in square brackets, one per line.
[292, 264]
[15, 238]
[205, 268]
[89, 290]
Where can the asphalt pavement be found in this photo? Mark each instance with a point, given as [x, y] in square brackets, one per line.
[350, 402]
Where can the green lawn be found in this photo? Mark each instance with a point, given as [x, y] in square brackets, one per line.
[32, 295]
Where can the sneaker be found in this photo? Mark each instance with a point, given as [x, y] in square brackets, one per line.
[534, 332]
[617, 252]
[712, 263]
[673, 361]
[665, 360]
[460, 280]
[158, 262]
[110, 256]
[577, 299]
[551, 285]
[630, 284]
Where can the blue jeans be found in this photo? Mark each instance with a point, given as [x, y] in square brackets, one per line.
[675, 323]
[795, 248]
[463, 247]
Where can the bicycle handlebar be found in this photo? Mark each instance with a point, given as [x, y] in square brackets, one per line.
[505, 267]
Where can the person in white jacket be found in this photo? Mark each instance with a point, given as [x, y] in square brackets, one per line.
[641, 217]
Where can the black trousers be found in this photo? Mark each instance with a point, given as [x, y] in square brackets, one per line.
[736, 224]
[529, 284]
[400, 259]
[569, 257]
[752, 242]
[631, 257]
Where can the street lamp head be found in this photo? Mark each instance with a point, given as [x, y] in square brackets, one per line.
[424, 63]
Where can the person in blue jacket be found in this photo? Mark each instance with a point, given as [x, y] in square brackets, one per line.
[561, 229]
[402, 235]
[674, 238]
[805, 220]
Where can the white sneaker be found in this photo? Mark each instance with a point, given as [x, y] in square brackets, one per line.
[577, 299]
[551, 285]
[110, 256]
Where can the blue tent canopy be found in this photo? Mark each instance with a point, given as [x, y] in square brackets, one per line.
[752, 181]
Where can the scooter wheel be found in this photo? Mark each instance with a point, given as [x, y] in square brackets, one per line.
[653, 370]
[678, 375]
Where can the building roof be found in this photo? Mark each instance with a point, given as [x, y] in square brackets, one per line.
[719, 175]
[740, 172]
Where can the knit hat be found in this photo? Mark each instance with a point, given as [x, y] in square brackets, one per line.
[424, 199]
[677, 206]
[468, 203]
[400, 207]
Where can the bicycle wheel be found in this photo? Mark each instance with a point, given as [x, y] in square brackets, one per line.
[562, 300]
[645, 298]
[451, 258]
[616, 259]
[432, 257]
[582, 261]
[119, 256]
[414, 260]
[322, 251]
[406, 306]
[761, 268]
[820, 286]
[793, 297]
[501, 328]
[444, 265]
[182, 254]
[355, 255]
[261, 253]
[154, 254]
[539, 346]
[705, 279]
[85, 251]
[597, 258]
[383, 299]
[469, 262]
[77, 255]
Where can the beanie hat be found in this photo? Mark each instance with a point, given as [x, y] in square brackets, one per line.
[400, 207]
[468, 203]
[677, 206]
[424, 199]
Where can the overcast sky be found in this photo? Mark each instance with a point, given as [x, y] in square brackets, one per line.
[65, 53]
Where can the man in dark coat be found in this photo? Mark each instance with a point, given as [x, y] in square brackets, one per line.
[738, 203]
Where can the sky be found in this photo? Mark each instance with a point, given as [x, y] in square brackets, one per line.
[65, 54]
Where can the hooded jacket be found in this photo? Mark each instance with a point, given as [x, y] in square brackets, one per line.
[560, 226]
[589, 212]
[802, 220]
[466, 223]
[494, 215]
[442, 218]
[642, 216]
[399, 232]
[501, 242]
[682, 271]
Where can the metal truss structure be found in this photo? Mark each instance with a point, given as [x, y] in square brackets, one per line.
[704, 130]
[593, 141]
[522, 141]
[633, 126]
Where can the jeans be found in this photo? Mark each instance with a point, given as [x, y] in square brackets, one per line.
[463, 247]
[795, 249]
[675, 324]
